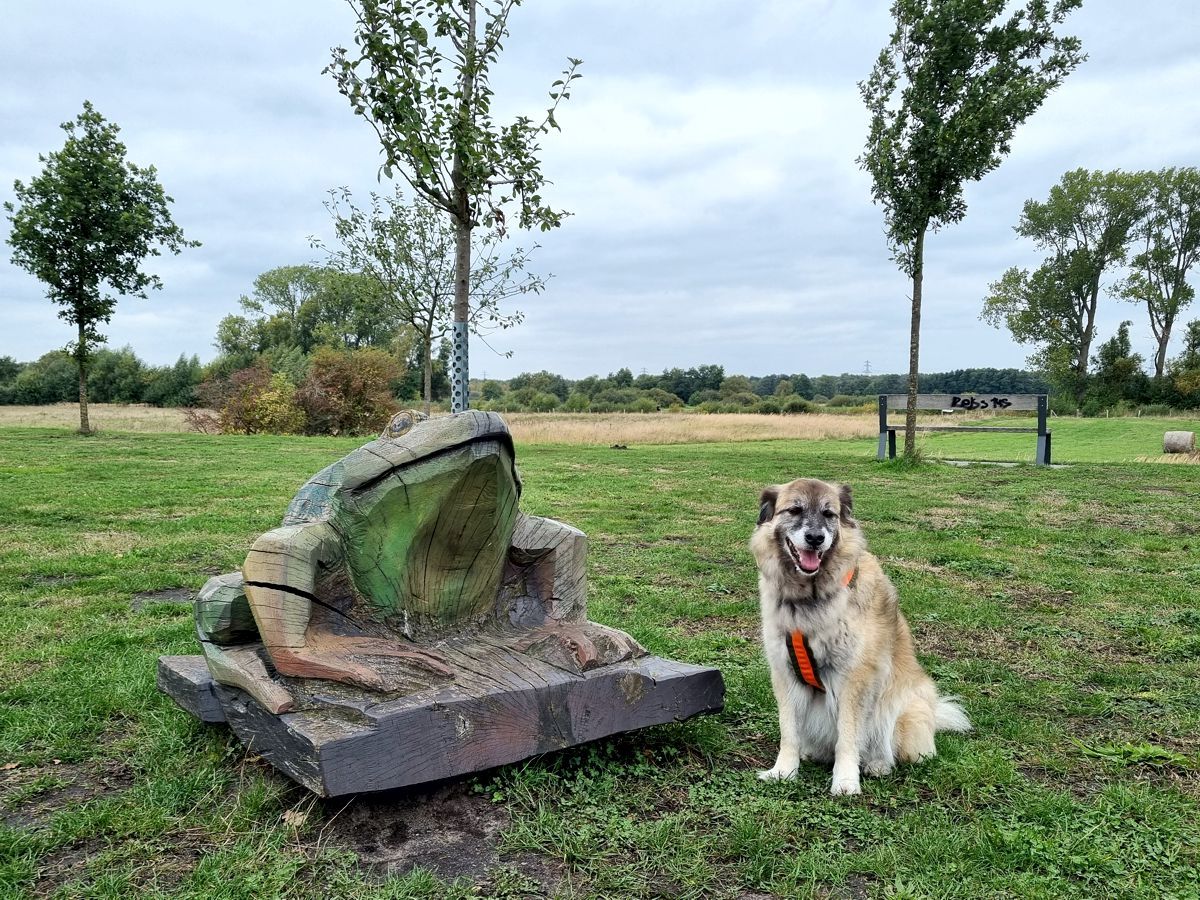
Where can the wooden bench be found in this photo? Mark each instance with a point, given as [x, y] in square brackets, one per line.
[966, 403]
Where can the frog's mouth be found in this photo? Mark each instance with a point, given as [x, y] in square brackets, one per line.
[500, 437]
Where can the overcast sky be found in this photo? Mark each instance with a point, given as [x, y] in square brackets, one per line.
[707, 156]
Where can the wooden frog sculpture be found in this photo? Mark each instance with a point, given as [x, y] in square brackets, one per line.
[408, 623]
[392, 561]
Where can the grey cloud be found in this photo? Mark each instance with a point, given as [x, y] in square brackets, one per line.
[708, 156]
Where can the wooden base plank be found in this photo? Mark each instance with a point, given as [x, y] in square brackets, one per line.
[187, 681]
[446, 732]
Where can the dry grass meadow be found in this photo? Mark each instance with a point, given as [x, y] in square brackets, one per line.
[528, 428]
[102, 416]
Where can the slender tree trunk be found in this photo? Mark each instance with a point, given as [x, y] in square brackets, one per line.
[81, 364]
[914, 349]
[1085, 346]
[1163, 335]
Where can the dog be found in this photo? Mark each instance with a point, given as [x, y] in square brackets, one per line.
[843, 668]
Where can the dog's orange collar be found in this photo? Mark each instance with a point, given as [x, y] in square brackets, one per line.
[800, 653]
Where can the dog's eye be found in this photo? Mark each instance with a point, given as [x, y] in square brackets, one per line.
[829, 514]
[797, 510]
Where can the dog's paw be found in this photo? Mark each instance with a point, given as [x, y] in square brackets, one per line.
[845, 785]
[777, 774]
[878, 767]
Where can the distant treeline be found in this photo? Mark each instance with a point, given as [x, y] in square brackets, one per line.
[343, 390]
[115, 376]
[709, 389]
[119, 376]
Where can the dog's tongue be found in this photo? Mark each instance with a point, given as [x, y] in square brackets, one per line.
[810, 560]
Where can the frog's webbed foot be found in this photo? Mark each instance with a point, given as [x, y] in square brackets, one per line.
[307, 662]
[340, 658]
[356, 645]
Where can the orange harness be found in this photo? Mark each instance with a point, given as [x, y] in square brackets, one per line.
[801, 654]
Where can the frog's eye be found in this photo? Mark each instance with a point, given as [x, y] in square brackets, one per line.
[402, 423]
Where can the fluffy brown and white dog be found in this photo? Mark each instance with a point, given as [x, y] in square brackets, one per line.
[846, 677]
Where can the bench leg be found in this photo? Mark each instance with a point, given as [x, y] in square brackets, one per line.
[1043, 449]
[887, 444]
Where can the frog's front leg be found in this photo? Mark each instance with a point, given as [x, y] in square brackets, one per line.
[280, 577]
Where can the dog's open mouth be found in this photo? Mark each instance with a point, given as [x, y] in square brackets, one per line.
[807, 561]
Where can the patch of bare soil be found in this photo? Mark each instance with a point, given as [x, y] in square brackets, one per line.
[1081, 782]
[446, 830]
[1034, 596]
[30, 795]
[182, 596]
[64, 865]
[941, 518]
[748, 631]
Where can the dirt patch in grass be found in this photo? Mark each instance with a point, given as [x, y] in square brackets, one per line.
[30, 795]
[445, 830]
[181, 596]
[748, 631]
[1035, 596]
[63, 865]
[941, 518]
[1081, 783]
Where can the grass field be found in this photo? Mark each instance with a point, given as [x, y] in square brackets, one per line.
[1061, 605]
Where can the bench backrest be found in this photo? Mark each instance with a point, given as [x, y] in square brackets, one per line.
[967, 402]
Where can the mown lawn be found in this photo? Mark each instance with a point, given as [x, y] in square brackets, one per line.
[1061, 604]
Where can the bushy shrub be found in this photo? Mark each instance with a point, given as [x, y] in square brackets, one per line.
[577, 402]
[642, 405]
[795, 404]
[1062, 405]
[116, 377]
[250, 401]
[1154, 409]
[663, 399]
[848, 400]
[173, 385]
[347, 391]
[543, 402]
[509, 403]
[275, 410]
[769, 406]
[742, 399]
[51, 379]
[701, 397]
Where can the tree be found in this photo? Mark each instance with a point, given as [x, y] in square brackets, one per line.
[409, 251]
[421, 78]
[945, 97]
[1169, 236]
[1118, 370]
[1184, 370]
[306, 307]
[1085, 224]
[84, 227]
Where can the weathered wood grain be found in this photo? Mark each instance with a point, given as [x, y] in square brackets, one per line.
[410, 624]
[449, 732]
[187, 681]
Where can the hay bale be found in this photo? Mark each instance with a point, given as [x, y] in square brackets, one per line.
[1179, 442]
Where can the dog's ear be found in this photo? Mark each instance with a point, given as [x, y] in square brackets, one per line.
[766, 503]
[846, 504]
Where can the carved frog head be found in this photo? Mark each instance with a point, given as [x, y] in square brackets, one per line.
[425, 515]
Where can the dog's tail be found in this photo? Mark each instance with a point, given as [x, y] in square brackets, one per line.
[950, 716]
